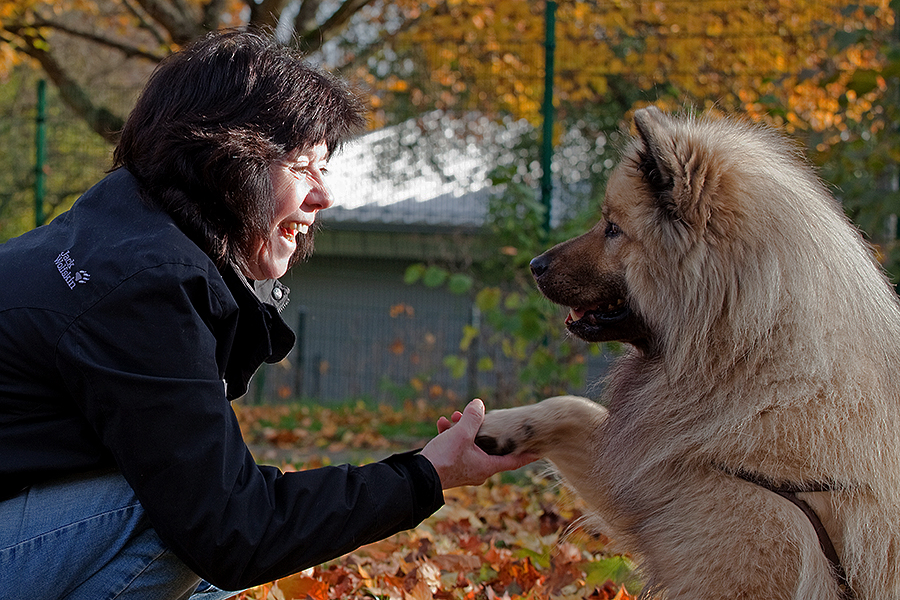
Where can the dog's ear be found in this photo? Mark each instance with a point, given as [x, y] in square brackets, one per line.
[657, 155]
[673, 169]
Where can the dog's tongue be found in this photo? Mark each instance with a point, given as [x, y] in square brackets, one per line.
[574, 315]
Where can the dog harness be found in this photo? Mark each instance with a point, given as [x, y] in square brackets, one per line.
[789, 492]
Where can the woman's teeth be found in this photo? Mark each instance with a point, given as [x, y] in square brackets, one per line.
[291, 230]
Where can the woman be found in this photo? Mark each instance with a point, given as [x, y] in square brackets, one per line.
[129, 322]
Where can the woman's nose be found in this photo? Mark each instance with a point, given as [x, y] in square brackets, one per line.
[319, 196]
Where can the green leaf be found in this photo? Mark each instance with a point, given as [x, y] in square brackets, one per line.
[459, 283]
[488, 299]
[541, 559]
[469, 334]
[485, 364]
[413, 273]
[863, 81]
[513, 301]
[434, 276]
[616, 568]
[532, 324]
[456, 365]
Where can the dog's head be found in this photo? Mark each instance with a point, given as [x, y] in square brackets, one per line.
[684, 239]
[587, 274]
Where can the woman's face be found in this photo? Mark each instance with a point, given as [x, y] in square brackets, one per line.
[300, 192]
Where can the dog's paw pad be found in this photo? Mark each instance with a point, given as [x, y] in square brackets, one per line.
[492, 445]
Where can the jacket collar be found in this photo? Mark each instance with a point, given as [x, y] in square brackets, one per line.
[270, 291]
[261, 334]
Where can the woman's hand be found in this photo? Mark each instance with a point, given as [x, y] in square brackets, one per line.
[456, 458]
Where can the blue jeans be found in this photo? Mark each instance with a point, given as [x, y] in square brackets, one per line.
[87, 538]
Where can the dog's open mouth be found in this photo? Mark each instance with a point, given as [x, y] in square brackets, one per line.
[605, 322]
[600, 307]
[611, 312]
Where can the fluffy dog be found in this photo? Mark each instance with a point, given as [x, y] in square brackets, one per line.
[750, 442]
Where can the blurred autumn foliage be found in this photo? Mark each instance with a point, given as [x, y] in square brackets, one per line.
[309, 434]
[820, 62]
[518, 536]
[823, 61]
[827, 71]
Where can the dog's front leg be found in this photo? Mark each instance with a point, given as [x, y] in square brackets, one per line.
[560, 429]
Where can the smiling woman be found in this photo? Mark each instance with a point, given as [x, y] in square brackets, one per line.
[210, 136]
[299, 192]
[146, 308]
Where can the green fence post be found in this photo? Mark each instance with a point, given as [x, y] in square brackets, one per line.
[547, 110]
[40, 152]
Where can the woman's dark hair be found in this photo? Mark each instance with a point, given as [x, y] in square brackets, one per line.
[213, 118]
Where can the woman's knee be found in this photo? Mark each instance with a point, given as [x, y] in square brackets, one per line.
[87, 537]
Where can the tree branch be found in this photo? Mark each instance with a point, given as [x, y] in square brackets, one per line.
[176, 19]
[128, 50]
[100, 119]
[305, 21]
[310, 41]
[144, 23]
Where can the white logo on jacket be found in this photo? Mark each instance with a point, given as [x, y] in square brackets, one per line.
[64, 264]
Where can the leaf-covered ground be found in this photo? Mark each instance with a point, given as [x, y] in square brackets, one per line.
[517, 536]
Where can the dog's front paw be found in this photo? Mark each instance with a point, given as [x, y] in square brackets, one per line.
[495, 446]
[504, 432]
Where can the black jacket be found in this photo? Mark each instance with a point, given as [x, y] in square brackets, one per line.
[118, 340]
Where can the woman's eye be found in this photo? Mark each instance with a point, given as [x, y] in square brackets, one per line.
[306, 169]
[612, 230]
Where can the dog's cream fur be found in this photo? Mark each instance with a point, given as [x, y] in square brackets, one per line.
[764, 338]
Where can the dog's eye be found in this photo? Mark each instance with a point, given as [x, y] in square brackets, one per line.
[612, 230]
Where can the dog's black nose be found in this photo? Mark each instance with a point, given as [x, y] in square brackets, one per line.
[539, 264]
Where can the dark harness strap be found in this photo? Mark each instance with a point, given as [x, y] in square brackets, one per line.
[789, 492]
